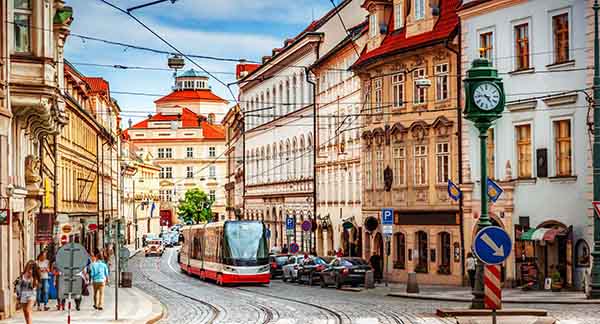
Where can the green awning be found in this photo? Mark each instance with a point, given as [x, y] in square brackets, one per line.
[527, 235]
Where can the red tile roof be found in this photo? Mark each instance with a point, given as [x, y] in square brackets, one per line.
[189, 119]
[245, 67]
[98, 85]
[396, 41]
[189, 95]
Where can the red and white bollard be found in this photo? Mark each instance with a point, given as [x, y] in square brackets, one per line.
[492, 279]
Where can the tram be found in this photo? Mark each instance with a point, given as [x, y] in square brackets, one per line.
[229, 252]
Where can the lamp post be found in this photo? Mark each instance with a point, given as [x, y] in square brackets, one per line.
[594, 292]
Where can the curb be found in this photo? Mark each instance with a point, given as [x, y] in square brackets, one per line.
[507, 301]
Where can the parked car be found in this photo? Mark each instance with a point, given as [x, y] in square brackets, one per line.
[345, 271]
[290, 269]
[277, 262]
[154, 247]
[309, 271]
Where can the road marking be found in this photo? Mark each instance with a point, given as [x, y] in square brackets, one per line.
[498, 250]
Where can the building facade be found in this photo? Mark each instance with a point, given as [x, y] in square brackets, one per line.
[279, 114]
[187, 143]
[410, 140]
[234, 187]
[541, 145]
[32, 112]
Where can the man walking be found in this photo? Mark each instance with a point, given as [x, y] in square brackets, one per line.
[471, 263]
[99, 278]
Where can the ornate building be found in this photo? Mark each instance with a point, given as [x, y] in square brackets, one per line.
[187, 142]
[32, 112]
[234, 187]
[411, 138]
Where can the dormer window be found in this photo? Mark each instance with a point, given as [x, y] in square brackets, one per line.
[398, 15]
[419, 9]
[373, 25]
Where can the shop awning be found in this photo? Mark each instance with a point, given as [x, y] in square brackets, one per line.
[551, 234]
[527, 235]
[539, 233]
[542, 234]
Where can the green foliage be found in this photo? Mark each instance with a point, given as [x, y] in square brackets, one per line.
[195, 208]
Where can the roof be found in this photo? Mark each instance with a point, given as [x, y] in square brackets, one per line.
[189, 119]
[98, 85]
[191, 95]
[396, 41]
[245, 67]
[191, 73]
[353, 33]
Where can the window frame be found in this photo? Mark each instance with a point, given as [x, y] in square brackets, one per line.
[555, 162]
[378, 95]
[373, 25]
[531, 153]
[29, 12]
[445, 75]
[416, 75]
[514, 25]
[379, 166]
[419, 9]
[492, 49]
[189, 172]
[368, 169]
[398, 87]
[398, 15]
[424, 157]
[399, 159]
[399, 251]
[552, 40]
[212, 172]
[443, 155]
[212, 151]
[189, 152]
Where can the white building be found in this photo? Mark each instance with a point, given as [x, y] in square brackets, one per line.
[187, 143]
[277, 102]
[538, 149]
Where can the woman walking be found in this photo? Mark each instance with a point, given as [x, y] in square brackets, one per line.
[44, 289]
[471, 268]
[26, 286]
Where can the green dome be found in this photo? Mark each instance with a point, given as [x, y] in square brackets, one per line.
[191, 73]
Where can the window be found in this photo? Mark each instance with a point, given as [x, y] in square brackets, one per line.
[398, 15]
[165, 153]
[378, 95]
[486, 45]
[523, 135]
[522, 46]
[398, 90]
[212, 195]
[189, 172]
[560, 31]
[22, 26]
[420, 93]
[443, 162]
[420, 164]
[400, 246]
[419, 9]
[166, 173]
[422, 255]
[212, 172]
[212, 151]
[399, 166]
[367, 168]
[161, 153]
[165, 195]
[491, 154]
[189, 152]
[379, 168]
[373, 28]
[441, 82]
[562, 142]
[446, 253]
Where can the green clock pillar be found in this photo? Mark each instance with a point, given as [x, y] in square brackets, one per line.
[485, 100]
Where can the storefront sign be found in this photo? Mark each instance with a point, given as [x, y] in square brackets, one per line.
[66, 229]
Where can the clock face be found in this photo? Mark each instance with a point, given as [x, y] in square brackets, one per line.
[486, 96]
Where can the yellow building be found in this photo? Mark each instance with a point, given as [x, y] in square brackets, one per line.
[410, 137]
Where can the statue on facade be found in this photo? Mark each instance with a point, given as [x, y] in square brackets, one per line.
[388, 178]
[32, 171]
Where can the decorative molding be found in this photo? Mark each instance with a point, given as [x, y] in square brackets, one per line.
[522, 105]
[561, 100]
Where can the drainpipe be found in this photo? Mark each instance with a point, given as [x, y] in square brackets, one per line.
[460, 150]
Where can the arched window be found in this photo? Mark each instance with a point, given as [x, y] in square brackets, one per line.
[309, 155]
[445, 253]
[268, 112]
[422, 255]
[268, 164]
[288, 160]
[301, 159]
[275, 164]
[281, 100]
[294, 93]
[301, 91]
[281, 165]
[400, 251]
[275, 104]
[261, 113]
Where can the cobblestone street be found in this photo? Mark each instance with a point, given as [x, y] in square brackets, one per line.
[190, 300]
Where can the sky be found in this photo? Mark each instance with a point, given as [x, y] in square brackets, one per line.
[237, 29]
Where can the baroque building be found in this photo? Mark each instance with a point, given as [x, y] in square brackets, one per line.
[410, 141]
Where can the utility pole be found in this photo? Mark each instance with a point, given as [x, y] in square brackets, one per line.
[595, 284]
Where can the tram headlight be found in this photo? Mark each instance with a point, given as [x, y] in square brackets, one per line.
[229, 269]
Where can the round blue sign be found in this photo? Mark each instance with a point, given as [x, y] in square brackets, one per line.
[492, 245]
[294, 248]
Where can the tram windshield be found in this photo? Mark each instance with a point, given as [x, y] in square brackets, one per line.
[245, 244]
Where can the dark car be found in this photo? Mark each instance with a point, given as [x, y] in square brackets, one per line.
[310, 271]
[345, 271]
[277, 262]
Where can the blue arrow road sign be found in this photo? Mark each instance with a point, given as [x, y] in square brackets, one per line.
[387, 216]
[289, 223]
[492, 245]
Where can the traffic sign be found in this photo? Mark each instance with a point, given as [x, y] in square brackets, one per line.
[290, 223]
[596, 205]
[306, 225]
[492, 287]
[492, 245]
[64, 239]
[294, 248]
[387, 216]
[388, 230]
[71, 257]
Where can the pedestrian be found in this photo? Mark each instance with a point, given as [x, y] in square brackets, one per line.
[99, 278]
[470, 265]
[375, 262]
[339, 253]
[26, 287]
[43, 290]
[60, 300]
[284, 249]
[84, 287]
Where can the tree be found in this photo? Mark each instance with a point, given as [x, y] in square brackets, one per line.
[195, 207]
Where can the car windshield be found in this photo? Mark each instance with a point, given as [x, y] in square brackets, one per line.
[281, 259]
[352, 262]
[245, 243]
[319, 261]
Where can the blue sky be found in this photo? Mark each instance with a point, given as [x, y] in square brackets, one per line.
[225, 28]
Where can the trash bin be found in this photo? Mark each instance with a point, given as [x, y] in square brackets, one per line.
[126, 279]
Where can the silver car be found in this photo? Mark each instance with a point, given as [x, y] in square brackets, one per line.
[290, 269]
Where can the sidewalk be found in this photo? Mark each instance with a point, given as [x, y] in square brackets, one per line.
[509, 295]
